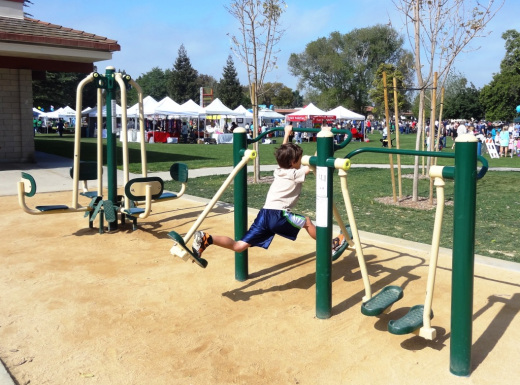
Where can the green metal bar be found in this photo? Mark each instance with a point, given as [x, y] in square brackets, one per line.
[324, 176]
[400, 152]
[240, 199]
[111, 140]
[358, 151]
[465, 191]
[346, 141]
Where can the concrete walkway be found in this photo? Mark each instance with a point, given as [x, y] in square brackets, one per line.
[51, 173]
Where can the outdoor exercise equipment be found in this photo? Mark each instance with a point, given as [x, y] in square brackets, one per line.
[465, 175]
[240, 143]
[38, 210]
[139, 191]
[418, 318]
[150, 190]
[179, 247]
[346, 230]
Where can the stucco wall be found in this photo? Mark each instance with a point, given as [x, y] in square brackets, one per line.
[16, 131]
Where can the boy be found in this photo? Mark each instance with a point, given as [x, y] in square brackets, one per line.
[276, 216]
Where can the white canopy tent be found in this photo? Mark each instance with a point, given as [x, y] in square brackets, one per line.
[93, 112]
[52, 114]
[168, 106]
[192, 108]
[344, 113]
[149, 105]
[216, 107]
[266, 113]
[67, 112]
[86, 111]
[216, 110]
[242, 111]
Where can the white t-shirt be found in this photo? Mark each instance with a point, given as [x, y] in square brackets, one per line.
[285, 189]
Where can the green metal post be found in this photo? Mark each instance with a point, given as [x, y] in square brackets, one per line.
[111, 139]
[465, 190]
[324, 174]
[240, 198]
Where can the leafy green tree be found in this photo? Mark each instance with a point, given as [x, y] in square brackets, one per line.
[58, 89]
[343, 66]
[152, 83]
[276, 94]
[377, 93]
[500, 97]
[229, 88]
[297, 99]
[461, 101]
[284, 98]
[182, 83]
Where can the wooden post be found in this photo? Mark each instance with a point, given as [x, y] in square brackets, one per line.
[389, 136]
[440, 115]
[433, 138]
[396, 112]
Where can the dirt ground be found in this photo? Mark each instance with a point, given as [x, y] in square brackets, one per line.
[78, 307]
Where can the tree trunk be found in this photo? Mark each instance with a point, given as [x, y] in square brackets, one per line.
[256, 162]
[415, 187]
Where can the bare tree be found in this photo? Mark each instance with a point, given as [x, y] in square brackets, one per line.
[254, 45]
[438, 31]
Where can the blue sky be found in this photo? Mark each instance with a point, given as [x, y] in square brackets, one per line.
[151, 32]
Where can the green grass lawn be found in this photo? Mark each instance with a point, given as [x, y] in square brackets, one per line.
[160, 156]
[497, 193]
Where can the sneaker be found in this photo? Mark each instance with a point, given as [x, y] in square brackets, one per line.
[337, 242]
[200, 242]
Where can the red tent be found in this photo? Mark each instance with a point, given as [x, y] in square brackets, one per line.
[310, 112]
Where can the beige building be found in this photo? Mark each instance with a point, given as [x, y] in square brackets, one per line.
[29, 48]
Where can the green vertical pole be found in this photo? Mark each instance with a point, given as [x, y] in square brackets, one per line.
[324, 225]
[111, 140]
[465, 190]
[240, 199]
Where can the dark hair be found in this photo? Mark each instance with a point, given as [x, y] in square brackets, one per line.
[287, 154]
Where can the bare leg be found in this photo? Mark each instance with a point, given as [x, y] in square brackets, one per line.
[228, 243]
[309, 226]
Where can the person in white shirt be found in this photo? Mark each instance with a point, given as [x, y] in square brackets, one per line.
[276, 217]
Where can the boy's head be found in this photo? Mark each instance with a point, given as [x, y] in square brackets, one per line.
[288, 154]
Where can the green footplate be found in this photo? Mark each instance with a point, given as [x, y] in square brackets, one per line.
[110, 211]
[337, 253]
[382, 300]
[180, 241]
[412, 321]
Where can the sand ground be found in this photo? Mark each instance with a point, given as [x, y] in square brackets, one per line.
[78, 307]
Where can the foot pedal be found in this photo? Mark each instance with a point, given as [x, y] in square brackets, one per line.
[92, 205]
[336, 253]
[97, 208]
[412, 321]
[180, 250]
[382, 300]
[110, 211]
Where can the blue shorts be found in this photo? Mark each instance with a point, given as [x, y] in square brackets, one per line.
[268, 223]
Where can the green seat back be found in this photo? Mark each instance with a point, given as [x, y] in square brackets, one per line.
[179, 172]
[31, 180]
[87, 171]
[135, 189]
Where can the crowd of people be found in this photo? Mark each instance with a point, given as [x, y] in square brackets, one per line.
[505, 136]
